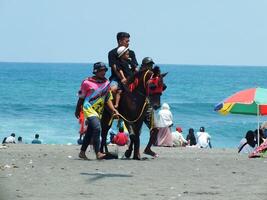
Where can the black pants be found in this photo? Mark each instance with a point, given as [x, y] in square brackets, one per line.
[148, 117]
[92, 133]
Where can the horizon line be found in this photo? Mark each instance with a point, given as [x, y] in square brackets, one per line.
[180, 64]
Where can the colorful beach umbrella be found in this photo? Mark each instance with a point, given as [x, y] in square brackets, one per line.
[251, 101]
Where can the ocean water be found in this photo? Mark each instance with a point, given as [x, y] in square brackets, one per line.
[41, 98]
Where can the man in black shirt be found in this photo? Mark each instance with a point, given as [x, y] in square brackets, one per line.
[123, 39]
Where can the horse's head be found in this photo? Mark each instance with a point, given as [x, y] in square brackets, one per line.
[155, 87]
[149, 83]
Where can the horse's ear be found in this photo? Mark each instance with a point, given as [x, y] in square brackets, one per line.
[164, 74]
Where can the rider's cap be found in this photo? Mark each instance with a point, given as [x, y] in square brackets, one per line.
[147, 60]
[99, 66]
[121, 50]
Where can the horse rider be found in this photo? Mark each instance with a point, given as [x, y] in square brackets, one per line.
[123, 39]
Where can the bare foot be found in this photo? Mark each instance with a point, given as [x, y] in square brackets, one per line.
[100, 156]
[151, 153]
[83, 156]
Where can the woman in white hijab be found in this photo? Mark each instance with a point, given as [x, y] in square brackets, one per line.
[164, 121]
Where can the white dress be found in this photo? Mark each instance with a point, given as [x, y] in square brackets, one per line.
[163, 121]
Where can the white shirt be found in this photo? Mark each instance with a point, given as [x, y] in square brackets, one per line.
[10, 139]
[164, 117]
[247, 148]
[203, 139]
[178, 139]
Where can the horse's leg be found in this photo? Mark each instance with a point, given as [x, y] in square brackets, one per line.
[104, 130]
[152, 140]
[137, 131]
[128, 152]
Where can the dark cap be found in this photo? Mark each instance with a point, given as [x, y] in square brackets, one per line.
[99, 66]
[147, 60]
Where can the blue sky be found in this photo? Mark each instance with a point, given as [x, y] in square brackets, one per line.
[226, 32]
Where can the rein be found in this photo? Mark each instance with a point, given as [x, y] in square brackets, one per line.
[143, 108]
[129, 121]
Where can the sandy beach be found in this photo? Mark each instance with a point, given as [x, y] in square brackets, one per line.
[55, 172]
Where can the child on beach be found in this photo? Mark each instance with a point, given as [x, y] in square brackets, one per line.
[121, 138]
[126, 71]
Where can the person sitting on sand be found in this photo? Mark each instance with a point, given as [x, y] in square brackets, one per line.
[261, 136]
[120, 138]
[36, 139]
[20, 140]
[11, 139]
[247, 144]
[191, 139]
[94, 94]
[203, 138]
[178, 138]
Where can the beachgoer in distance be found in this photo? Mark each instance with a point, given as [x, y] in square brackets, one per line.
[93, 95]
[36, 139]
[264, 128]
[191, 139]
[247, 144]
[11, 139]
[203, 138]
[261, 134]
[126, 69]
[178, 138]
[123, 39]
[20, 140]
[164, 121]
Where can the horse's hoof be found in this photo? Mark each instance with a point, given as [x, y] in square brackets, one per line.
[128, 153]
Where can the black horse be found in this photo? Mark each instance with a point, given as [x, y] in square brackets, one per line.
[145, 91]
